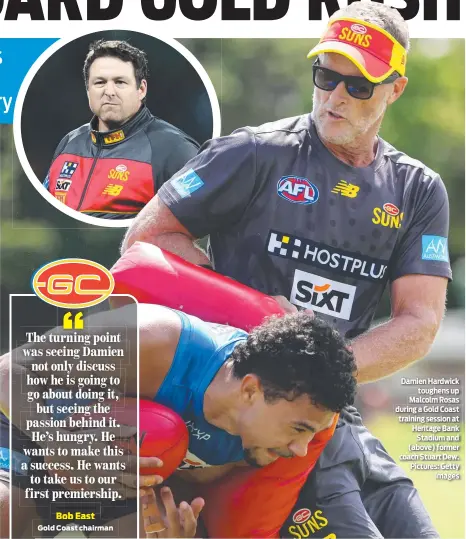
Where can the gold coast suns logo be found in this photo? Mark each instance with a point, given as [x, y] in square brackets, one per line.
[306, 523]
[357, 34]
[120, 172]
[388, 216]
[73, 283]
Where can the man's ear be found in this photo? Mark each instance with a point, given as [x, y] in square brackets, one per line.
[251, 388]
[398, 88]
[143, 89]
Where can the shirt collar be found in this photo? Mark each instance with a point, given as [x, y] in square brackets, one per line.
[116, 136]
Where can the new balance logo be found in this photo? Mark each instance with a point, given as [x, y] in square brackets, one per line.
[346, 189]
[113, 190]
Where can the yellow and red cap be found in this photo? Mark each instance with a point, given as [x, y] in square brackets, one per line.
[372, 49]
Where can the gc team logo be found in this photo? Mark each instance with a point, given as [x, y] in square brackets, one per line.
[301, 515]
[391, 209]
[388, 216]
[359, 29]
[73, 283]
[297, 190]
[307, 523]
[120, 172]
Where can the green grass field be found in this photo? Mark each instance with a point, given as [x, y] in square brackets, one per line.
[444, 499]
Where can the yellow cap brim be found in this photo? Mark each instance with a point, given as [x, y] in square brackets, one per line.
[370, 66]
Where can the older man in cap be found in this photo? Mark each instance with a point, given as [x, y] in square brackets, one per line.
[320, 210]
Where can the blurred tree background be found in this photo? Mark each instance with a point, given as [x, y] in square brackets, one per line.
[257, 80]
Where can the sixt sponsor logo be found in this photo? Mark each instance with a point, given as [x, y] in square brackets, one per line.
[73, 283]
[325, 257]
[388, 216]
[120, 172]
[322, 295]
[187, 184]
[297, 190]
[435, 248]
[63, 185]
[307, 523]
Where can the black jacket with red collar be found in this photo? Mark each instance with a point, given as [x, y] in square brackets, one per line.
[114, 174]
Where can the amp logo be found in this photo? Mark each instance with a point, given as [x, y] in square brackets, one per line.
[297, 190]
[73, 283]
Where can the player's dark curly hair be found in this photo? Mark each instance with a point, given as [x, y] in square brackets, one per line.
[117, 49]
[296, 355]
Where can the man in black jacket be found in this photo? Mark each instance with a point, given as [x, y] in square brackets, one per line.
[114, 165]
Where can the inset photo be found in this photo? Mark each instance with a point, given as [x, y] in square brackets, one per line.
[104, 120]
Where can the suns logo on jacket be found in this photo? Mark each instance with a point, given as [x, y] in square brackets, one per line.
[120, 172]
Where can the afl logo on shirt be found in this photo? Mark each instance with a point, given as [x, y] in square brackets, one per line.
[297, 190]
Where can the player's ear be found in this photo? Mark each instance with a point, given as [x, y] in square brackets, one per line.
[251, 388]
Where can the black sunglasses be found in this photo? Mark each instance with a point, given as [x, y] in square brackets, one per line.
[357, 87]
